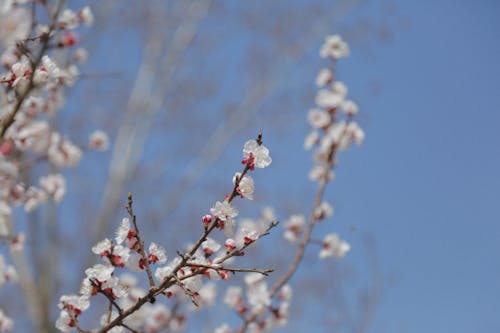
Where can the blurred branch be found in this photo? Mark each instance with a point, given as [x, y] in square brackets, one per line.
[144, 102]
[30, 290]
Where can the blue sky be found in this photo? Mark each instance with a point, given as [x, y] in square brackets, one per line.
[427, 177]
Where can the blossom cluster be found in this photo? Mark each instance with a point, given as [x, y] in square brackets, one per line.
[255, 300]
[122, 252]
[333, 130]
[40, 57]
[40, 60]
[188, 280]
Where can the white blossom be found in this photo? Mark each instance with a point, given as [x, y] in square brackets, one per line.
[253, 278]
[7, 272]
[332, 98]
[99, 272]
[224, 328]
[310, 140]
[245, 186]
[333, 136]
[286, 293]
[258, 297]
[333, 246]
[33, 198]
[5, 216]
[334, 47]
[122, 231]
[73, 303]
[324, 210]
[15, 24]
[34, 136]
[259, 153]
[210, 246]
[319, 172]
[85, 15]
[103, 248]
[63, 153]
[356, 132]
[81, 55]
[64, 323]
[99, 140]
[68, 19]
[318, 118]
[225, 212]
[157, 254]
[325, 76]
[54, 185]
[207, 294]
[162, 273]
[233, 296]
[350, 108]
[293, 227]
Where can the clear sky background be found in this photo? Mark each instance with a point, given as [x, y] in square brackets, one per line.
[424, 185]
[426, 180]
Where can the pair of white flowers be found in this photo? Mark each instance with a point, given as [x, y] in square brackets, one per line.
[254, 155]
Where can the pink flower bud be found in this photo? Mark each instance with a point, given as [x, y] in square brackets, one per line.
[69, 39]
[230, 244]
[206, 220]
[6, 148]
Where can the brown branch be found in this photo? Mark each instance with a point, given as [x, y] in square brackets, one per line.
[110, 310]
[76, 324]
[129, 328]
[217, 267]
[108, 296]
[140, 241]
[187, 291]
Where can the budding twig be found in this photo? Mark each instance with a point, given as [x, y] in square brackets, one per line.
[231, 269]
[139, 241]
[107, 295]
[172, 277]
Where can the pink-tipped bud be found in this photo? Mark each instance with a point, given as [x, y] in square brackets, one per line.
[224, 275]
[6, 148]
[207, 219]
[69, 39]
[230, 244]
[251, 237]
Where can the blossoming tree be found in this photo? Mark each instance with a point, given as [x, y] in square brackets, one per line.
[133, 284]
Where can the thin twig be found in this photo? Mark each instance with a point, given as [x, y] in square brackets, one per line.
[110, 310]
[231, 269]
[192, 294]
[140, 241]
[129, 328]
[109, 297]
